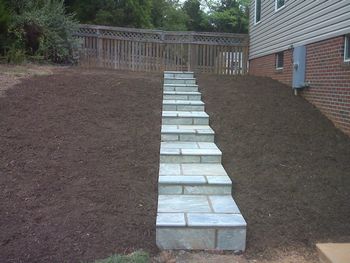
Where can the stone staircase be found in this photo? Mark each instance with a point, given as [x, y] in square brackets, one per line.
[195, 206]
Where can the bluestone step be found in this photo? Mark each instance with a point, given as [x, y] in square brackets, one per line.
[189, 152]
[178, 74]
[200, 222]
[185, 178]
[178, 95]
[179, 80]
[185, 118]
[199, 133]
[181, 87]
[195, 206]
[183, 105]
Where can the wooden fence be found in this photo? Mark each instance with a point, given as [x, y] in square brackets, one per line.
[155, 50]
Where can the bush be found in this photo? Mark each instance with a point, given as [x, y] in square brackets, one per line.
[4, 22]
[44, 29]
[15, 55]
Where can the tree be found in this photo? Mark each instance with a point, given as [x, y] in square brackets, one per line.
[43, 28]
[128, 13]
[4, 22]
[231, 16]
[194, 14]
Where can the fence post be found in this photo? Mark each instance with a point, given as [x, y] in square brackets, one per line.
[99, 48]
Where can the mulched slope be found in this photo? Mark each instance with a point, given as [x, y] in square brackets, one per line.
[79, 162]
[290, 165]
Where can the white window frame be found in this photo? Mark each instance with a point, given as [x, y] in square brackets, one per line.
[346, 47]
[257, 22]
[276, 60]
[279, 8]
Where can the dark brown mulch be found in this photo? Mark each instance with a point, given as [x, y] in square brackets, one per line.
[290, 165]
[78, 165]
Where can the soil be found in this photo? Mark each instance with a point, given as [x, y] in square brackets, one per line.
[289, 164]
[79, 161]
[11, 75]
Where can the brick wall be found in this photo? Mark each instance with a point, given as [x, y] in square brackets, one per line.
[327, 73]
[265, 66]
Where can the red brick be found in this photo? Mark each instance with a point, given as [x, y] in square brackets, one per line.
[328, 75]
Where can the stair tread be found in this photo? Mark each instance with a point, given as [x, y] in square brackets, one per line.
[181, 93]
[189, 148]
[200, 210]
[191, 169]
[189, 129]
[178, 72]
[183, 102]
[194, 180]
[185, 114]
[180, 85]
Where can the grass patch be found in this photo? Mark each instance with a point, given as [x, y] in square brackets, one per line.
[136, 257]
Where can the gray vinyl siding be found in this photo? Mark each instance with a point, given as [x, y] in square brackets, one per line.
[299, 22]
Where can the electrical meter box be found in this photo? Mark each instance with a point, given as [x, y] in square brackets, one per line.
[299, 67]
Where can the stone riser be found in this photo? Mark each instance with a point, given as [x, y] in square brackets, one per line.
[181, 88]
[201, 238]
[167, 107]
[179, 81]
[183, 158]
[206, 189]
[185, 137]
[184, 121]
[181, 97]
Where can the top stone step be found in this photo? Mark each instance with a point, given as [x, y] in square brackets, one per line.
[179, 80]
[178, 74]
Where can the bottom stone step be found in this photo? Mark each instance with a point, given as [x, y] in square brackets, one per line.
[200, 222]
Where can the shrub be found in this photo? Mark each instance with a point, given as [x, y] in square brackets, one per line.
[4, 22]
[46, 30]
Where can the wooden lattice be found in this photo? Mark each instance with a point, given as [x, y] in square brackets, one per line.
[155, 50]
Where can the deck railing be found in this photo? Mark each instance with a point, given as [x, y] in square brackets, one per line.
[155, 50]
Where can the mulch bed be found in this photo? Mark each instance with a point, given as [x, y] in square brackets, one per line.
[79, 161]
[289, 164]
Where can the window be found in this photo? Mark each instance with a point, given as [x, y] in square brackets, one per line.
[347, 49]
[279, 4]
[279, 60]
[257, 11]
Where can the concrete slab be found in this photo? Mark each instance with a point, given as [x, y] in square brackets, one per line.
[334, 252]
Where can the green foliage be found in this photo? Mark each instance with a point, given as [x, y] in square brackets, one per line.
[231, 16]
[196, 17]
[222, 15]
[136, 257]
[15, 55]
[174, 19]
[4, 22]
[45, 29]
[128, 13]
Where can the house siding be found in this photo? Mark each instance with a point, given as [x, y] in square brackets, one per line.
[298, 23]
